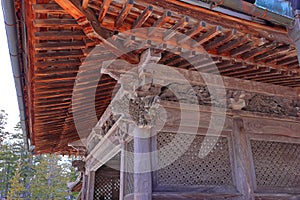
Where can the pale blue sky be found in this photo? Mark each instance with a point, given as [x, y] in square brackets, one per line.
[8, 98]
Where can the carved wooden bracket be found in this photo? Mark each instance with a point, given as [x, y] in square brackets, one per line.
[137, 99]
[79, 164]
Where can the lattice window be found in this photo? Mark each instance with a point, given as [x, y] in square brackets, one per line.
[190, 169]
[107, 184]
[276, 164]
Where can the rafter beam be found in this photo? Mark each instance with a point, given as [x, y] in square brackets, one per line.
[160, 22]
[123, 14]
[143, 17]
[93, 30]
[103, 10]
[85, 4]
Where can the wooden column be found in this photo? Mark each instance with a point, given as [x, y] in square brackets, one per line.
[84, 186]
[142, 164]
[90, 185]
[243, 171]
[122, 171]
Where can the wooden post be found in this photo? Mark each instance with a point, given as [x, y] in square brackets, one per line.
[84, 186]
[90, 185]
[243, 171]
[122, 171]
[142, 164]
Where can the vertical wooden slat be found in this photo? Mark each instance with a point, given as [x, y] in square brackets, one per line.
[244, 176]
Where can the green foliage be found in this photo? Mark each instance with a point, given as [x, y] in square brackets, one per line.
[17, 188]
[27, 176]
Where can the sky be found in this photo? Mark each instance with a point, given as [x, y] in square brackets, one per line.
[8, 97]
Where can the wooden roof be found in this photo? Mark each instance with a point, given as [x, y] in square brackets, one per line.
[61, 33]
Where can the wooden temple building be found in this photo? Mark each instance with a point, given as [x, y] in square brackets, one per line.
[163, 99]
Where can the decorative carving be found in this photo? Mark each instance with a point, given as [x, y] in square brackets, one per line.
[143, 110]
[236, 99]
[121, 135]
[99, 132]
[266, 104]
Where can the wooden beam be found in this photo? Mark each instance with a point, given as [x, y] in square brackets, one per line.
[123, 14]
[60, 55]
[59, 45]
[50, 8]
[103, 10]
[221, 40]
[143, 17]
[172, 31]
[60, 35]
[57, 23]
[197, 12]
[85, 4]
[160, 22]
[193, 31]
[95, 31]
[233, 44]
[210, 34]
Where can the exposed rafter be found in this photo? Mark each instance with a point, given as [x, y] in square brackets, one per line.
[92, 28]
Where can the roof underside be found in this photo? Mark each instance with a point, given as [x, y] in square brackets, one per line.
[57, 46]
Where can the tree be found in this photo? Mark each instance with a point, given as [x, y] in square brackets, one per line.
[27, 176]
[51, 178]
[17, 188]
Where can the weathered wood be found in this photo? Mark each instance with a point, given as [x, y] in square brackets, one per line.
[193, 31]
[60, 45]
[208, 36]
[84, 186]
[90, 185]
[172, 31]
[60, 35]
[48, 9]
[222, 40]
[57, 23]
[103, 10]
[244, 176]
[159, 23]
[123, 14]
[143, 17]
[60, 54]
[233, 44]
[192, 196]
[85, 4]
[95, 32]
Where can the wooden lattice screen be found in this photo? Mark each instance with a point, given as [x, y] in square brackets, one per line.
[107, 184]
[190, 170]
[277, 166]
